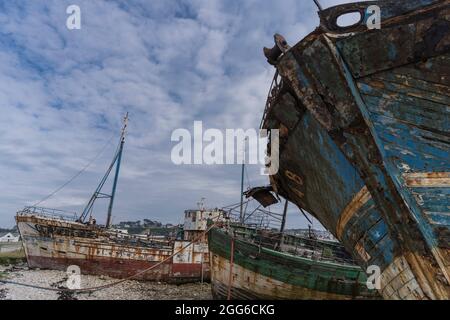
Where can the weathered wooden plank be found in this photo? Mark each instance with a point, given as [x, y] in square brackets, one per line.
[427, 179]
[362, 221]
[408, 83]
[411, 110]
[286, 111]
[427, 70]
[411, 148]
[300, 82]
[433, 199]
[434, 202]
[383, 252]
[396, 45]
[439, 218]
[374, 235]
[391, 88]
[361, 198]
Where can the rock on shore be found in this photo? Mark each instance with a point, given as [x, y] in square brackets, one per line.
[128, 290]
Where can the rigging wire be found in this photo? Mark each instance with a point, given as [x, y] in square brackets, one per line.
[76, 175]
[234, 205]
[318, 5]
[306, 217]
[89, 206]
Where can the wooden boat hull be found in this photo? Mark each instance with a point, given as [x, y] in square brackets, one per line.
[243, 270]
[378, 102]
[57, 244]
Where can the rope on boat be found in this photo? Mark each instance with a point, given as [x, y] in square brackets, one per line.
[76, 175]
[92, 289]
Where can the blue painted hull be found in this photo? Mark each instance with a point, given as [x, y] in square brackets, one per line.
[365, 140]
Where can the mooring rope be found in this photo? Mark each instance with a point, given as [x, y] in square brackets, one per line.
[97, 288]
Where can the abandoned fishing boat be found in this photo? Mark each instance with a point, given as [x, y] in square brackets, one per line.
[363, 119]
[251, 261]
[52, 239]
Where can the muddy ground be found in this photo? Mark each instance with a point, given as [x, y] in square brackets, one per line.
[128, 290]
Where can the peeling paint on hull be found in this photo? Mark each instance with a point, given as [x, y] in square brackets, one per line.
[99, 252]
[249, 285]
[261, 273]
[373, 113]
[123, 268]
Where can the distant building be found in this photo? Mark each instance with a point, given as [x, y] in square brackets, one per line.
[120, 231]
[9, 237]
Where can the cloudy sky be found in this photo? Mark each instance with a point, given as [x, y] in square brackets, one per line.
[63, 94]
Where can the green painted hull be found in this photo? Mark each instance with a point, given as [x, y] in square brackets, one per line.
[261, 273]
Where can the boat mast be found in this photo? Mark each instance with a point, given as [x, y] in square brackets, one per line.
[241, 214]
[283, 220]
[283, 223]
[116, 175]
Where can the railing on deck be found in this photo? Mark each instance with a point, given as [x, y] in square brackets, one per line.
[310, 248]
[262, 227]
[275, 87]
[49, 213]
[258, 220]
[257, 217]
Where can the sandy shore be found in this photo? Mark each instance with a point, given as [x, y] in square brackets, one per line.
[128, 290]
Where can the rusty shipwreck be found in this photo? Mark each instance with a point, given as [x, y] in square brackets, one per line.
[252, 258]
[54, 239]
[364, 128]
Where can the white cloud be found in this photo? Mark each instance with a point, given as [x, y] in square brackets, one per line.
[63, 93]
